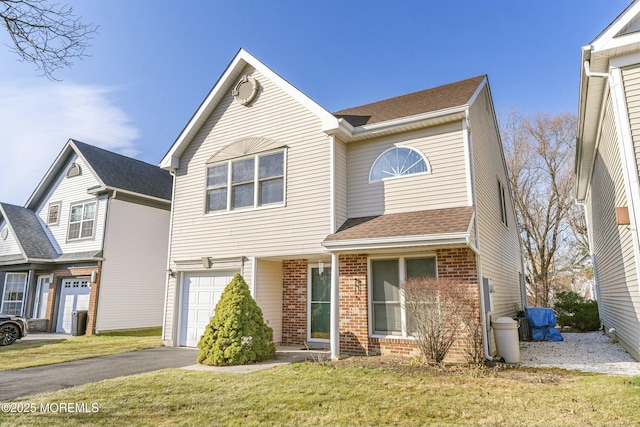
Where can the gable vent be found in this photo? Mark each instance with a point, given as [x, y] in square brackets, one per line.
[74, 170]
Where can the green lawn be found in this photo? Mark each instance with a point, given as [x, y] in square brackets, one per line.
[26, 354]
[308, 394]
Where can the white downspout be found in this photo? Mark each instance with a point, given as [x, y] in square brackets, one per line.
[173, 342]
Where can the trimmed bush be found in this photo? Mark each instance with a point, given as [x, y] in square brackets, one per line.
[573, 310]
[236, 334]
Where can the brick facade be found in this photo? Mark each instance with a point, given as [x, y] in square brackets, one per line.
[294, 302]
[459, 264]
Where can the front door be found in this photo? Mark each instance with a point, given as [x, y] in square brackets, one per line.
[42, 297]
[319, 303]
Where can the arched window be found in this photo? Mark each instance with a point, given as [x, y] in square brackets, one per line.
[397, 162]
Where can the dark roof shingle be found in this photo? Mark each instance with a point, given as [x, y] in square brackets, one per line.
[29, 232]
[420, 223]
[125, 173]
[434, 99]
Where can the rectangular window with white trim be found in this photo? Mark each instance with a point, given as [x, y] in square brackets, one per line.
[14, 293]
[82, 220]
[245, 183]
[388, 315]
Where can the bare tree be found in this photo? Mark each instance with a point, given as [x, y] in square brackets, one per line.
[540, 154]
[46, 34]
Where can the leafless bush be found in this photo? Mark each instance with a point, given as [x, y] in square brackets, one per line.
[440, 311]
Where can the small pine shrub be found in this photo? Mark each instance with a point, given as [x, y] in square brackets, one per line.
[573, 310]
[236, 334]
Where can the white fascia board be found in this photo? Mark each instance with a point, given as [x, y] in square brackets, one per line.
[608, 38]
[49, 176]
[398, 125]
[241, 60]
[398, 242]
[94, 191]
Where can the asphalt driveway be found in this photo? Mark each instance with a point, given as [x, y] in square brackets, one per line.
[28, 381]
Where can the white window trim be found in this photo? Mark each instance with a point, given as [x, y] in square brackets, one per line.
[402, 273]
[327, 264]
[59, 205]
[24, 292]
[95, 221]
[256, 183]
[390, 178]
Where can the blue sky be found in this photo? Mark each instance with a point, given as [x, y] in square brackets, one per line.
[153, 62]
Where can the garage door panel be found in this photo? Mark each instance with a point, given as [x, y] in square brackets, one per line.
[200, 294]
[74, 296]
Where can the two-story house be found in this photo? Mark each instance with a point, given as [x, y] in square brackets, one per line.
[607, 170]
[93, 236]
[326, 214]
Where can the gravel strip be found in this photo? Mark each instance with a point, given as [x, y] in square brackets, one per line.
[587, 352]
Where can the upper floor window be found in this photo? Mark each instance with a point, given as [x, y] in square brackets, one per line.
[397, 162]
[248, 182]
[82, 220]
[503, 203]
[53, 216]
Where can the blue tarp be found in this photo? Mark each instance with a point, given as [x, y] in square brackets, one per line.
[543, 322]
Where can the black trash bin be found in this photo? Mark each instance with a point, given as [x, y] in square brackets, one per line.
[79, 323]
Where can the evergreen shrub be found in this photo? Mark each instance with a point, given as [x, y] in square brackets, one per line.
[236, 334]
[573, 310]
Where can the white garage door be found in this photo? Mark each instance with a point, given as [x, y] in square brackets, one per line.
[74, 296]
[200, 294]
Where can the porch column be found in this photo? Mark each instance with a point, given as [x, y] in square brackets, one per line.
[335, 309]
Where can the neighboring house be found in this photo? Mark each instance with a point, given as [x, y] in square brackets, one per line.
[93, 236]
[325, 214]
[607, 167]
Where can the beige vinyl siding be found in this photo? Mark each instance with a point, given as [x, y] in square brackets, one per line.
[631, 78]
[295, 229]
[443, 187]
[500, 253]
[9, 246]
[132, 282]
[69, 191]
[340, 198]
[613, 252]
[269, 295]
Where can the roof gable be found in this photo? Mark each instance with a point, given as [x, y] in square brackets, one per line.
[111, 170]
[426, 101]
[221, 88]
[622, 31]
[28, 232]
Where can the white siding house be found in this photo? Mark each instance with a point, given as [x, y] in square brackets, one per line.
[607, 171]
[92, 237]
[311, 207]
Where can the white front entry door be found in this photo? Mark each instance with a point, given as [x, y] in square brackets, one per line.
[74, 296]
[200, 294]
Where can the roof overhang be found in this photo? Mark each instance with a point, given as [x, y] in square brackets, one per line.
[424, 242]
[350, 133]
[619, 40]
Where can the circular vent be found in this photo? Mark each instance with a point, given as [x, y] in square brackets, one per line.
[4, 233]
[246, 90]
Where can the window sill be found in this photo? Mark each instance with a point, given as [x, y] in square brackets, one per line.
[251, 209]
[392, 337]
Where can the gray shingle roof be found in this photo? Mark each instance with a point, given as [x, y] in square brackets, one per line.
[125, 173]
[426, 101]
[29, 232]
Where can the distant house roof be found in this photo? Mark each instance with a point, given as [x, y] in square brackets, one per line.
[405, 225]
[425, 101]
[28, 232]
[125, 173]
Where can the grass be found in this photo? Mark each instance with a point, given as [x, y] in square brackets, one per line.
[311, 394]
[30, 354]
